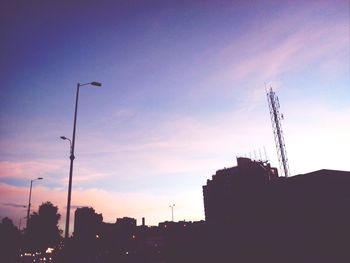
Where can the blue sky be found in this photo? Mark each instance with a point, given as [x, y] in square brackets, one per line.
[183, 94]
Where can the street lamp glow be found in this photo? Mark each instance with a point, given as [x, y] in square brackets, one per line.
[72, 157]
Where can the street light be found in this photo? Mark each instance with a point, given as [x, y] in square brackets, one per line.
[72, 157]
[65, 138]
[70, 143]
[30, 197]
[172, 211]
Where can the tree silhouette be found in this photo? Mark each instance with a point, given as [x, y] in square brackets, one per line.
[43, 231]
[9, 240]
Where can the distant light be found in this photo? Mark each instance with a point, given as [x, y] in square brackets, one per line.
[133, 236]
[127, 252]
[97, 236]
[49, 250]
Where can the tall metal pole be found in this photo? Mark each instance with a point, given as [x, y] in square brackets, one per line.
[30, 197]
[172, 212]
[72, 157]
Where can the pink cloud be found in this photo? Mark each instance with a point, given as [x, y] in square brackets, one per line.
[48, 169]
[296, 51]
[29, 169]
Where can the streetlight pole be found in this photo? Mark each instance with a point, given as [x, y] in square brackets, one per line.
[30, 197]
[20, 222]
[172, 211]
[72, 157]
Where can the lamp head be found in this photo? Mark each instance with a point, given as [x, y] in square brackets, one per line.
[63, 137]
[40, 178]
[95, 83]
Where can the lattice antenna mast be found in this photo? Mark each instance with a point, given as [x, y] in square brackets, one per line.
[276, 118]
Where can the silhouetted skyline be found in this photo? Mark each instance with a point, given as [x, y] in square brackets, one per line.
[252, 214]
[183, 95]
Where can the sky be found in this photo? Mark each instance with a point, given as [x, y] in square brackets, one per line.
[183, 94]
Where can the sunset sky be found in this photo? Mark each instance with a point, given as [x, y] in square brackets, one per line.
[183, 94]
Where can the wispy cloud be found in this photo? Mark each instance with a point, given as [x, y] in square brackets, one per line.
[14, 205]
[54, 172]
[288, 43]
[29, 169]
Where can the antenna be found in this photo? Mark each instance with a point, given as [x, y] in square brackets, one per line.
[274, 107]
[265, 153]
[260, 154]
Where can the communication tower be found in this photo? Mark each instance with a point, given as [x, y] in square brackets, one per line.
[276, 118]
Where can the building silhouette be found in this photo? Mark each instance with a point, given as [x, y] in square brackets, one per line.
[87, 223]
[232, 190]
[302, 218]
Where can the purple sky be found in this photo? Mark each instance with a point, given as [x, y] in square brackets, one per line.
[183, 94]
